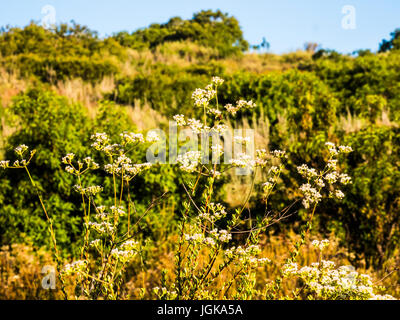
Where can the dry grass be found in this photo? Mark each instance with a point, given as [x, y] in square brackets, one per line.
[85, 93]
[352, 123]
[241, 185]
[10, 85]
[144, 117]
[185, 54]
[266, 62]
[20, 273]
[277, 249]
[384, 120]
[21, 267]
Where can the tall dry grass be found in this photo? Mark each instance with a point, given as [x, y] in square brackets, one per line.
[21, 267]
[87, 94]
[144, 117]
[242, 185]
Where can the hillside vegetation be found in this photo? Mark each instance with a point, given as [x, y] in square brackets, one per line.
[59, 87]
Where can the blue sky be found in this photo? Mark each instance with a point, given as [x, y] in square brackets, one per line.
[286, 24]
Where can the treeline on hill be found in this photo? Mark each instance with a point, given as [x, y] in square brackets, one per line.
[316, 97]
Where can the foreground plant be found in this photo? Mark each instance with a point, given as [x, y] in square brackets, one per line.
[207, 264]
[106, 250]
[24, 159]
[322, 280]
[218, 252]
[207, 228]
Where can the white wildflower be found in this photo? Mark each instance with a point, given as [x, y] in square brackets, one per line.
[331, 177]
[239, 139]
[20, 150]
[152, 136]
[345, 149]
[5, 164]
[180, 119]
[217, 81]
[344, 179]
[195, 125]
[189, 161]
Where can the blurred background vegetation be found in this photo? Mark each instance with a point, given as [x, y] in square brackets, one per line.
[59, 86]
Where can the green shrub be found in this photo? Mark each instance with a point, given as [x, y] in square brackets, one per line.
[370, 213]
[54, 127]
[210, 29]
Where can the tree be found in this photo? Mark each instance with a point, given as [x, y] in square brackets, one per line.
[392, 44]
[208, 28]
[311, 46]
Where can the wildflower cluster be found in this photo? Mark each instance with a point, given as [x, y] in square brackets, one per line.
[101, 270]
[120, 164]
[240, 105]
[202, 97]
[126, 251]
[23, 161]
[211, 228]
[327, 178]
[79, 167]
[74, 268]
[320, 244]
[246, 256]
[189, 161]
[324, 281]
[242, 160]
[215, 212]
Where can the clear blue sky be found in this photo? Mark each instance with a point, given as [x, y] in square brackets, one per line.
[286, 24]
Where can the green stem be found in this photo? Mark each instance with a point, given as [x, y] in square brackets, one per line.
[52, 234]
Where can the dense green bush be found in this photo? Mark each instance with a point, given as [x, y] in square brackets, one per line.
[51, 125]
[368, 220]
[54, 127]
[303, 98]
[353, 79]
[59, 67]
[211, 29]
[370, 215]
[66, 52]
[167, 89]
